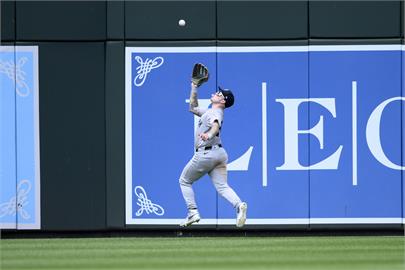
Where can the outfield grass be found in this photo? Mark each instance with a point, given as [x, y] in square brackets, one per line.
[205, 253]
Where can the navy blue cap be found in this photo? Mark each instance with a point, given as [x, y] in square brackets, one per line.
[228, 95]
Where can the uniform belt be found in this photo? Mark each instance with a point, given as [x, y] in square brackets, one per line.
[208, 147]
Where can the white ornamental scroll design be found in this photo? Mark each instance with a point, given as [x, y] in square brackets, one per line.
[145, 67]
[15, 72]
[145, 204]
[17, 203]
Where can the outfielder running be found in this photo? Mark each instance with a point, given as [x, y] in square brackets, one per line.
[209, 157]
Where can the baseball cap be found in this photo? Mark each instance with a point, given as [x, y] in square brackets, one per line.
[228, 95]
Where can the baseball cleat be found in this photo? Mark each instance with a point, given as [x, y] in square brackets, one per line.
[192, 217]
[241, 217]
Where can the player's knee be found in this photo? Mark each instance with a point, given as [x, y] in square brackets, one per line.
[221, 187]
[183, 181]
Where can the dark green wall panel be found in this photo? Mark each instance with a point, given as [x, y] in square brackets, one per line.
[355, 19]
[115, 19]
[197, 43]
[262, 19]
[61, 20]
[158, 20]
[72, 135]
[364, 41]
[230, 43]
[7, 20]
[115, 133]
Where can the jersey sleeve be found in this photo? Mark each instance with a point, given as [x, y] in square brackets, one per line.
[200, 111]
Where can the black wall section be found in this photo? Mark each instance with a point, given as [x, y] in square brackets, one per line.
[363, 41]
[355, 19]
[115, 20]
[403, 19]
[243, 43]
[262, 19]
[7, 21]
[60, 20]
[199, 43]
[153, 20]
[115, 133]
[72, 135]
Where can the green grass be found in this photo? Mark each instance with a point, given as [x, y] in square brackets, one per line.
[205, 253]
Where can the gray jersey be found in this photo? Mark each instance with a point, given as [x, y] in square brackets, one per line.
[205, 123]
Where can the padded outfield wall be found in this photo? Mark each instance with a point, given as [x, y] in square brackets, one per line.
[315, 138]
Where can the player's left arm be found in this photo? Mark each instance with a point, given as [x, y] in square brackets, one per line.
[193, 105]
[212, 132]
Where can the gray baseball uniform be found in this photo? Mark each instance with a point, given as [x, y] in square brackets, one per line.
[210, 157]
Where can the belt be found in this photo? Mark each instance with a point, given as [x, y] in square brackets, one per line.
[204, 148]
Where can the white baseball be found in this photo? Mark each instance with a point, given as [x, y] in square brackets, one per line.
[182, 22]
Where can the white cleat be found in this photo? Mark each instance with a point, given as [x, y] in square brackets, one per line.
[192, 217]
[241, 217]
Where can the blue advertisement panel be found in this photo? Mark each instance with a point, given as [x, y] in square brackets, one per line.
[355, 174]
[313, 136]
[403, 134]
[8, 184]
[160, 134]
[267, 91]
[22, 203]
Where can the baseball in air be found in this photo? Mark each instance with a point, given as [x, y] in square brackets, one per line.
[182, 22]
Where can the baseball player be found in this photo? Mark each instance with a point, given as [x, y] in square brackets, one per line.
[209, 157]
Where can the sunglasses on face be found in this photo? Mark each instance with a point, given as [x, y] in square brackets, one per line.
[219, 93]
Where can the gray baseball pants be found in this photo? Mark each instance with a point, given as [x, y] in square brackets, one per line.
[214, 163]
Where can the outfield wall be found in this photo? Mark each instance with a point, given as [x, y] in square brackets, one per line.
[336, 66]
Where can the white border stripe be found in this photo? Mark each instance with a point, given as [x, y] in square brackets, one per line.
[37, 224]
[171, 49]
[355, 220]
[273, 221]
[230, 49]
[8, 225]
[128, 135]
[264, 133]
[354, 132]
[7, 49]
[174, 221]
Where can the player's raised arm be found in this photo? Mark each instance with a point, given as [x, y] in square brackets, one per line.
[199, 76]
[194, 100]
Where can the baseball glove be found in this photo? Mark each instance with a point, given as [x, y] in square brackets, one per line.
[200, 74]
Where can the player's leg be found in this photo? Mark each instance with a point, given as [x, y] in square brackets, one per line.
[191, 173]
[219, 176]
